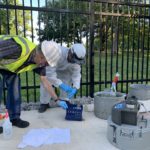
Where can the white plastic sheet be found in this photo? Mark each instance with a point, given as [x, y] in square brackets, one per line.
[38, 137]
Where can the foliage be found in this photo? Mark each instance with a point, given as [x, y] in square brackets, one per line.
[61, 26]
[14, 21]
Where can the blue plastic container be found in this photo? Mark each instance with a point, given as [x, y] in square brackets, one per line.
[74, 112]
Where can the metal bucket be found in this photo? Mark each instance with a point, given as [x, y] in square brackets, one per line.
[140, 91]
[103, 103]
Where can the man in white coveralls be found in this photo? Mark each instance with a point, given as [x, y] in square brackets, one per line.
[66, 75]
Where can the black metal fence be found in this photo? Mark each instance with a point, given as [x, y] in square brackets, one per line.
[116, 35]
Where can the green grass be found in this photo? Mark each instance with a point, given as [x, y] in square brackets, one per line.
[103, 74]
[27, 80]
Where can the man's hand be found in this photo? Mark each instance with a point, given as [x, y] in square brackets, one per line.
[62, 104]
[68, 89]
[72, 93]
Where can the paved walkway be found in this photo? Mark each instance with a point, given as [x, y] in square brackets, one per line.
[89, 134]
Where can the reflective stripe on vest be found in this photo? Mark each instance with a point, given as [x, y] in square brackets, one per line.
[27, 48]
[28, 68]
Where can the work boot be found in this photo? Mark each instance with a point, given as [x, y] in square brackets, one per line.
[43, 108]
[20, 123]
[1, 130]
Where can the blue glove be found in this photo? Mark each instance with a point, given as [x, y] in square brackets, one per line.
[120, 106]
[62, 104]
[65, 87]
[72, 93]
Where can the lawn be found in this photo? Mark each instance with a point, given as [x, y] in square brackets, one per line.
[105, 66]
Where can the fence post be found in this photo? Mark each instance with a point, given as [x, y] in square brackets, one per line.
[91, 48]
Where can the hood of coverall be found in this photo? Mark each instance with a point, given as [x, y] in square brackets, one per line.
[79, 52]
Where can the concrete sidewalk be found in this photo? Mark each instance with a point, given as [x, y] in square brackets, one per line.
[89, 134]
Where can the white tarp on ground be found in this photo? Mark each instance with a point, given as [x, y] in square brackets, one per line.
[38, 137]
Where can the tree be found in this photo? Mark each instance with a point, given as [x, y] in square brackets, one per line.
[109, 30]
[12, 21]
[62, 27]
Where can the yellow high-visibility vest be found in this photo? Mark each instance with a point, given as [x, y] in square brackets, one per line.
[27, 48]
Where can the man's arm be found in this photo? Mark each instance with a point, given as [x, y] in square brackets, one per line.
[52, 76]
[48, 87]
[76, 76]
[51, 91]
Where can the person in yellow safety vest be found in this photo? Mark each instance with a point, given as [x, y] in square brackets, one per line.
[17, 55]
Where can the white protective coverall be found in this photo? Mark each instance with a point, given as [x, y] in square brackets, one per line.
[64, 72]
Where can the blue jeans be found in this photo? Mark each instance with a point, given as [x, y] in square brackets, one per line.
[1, 88]
[13, 102]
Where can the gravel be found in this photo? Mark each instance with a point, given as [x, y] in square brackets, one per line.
[34, 106]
